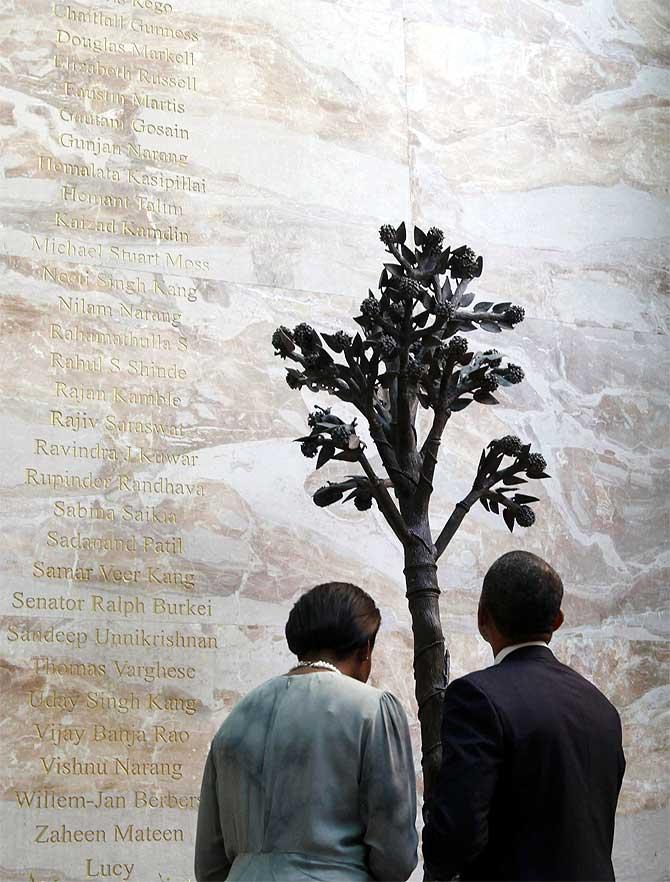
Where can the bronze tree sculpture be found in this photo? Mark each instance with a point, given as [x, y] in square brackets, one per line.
[410, 353]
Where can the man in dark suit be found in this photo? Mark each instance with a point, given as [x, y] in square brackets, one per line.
[532, 759]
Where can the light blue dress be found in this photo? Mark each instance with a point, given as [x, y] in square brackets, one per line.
[310, 777]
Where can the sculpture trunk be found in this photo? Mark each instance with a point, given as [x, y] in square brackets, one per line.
[430, 658]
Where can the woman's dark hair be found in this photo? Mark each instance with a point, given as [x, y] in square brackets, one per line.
[523, 593]
[337, 616]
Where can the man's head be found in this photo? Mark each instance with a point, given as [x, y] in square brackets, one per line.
[520, 601]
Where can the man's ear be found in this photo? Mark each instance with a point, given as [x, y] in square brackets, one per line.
[558, 621]
[482, 618]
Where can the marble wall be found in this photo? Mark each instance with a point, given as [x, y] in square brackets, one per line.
[536, 133]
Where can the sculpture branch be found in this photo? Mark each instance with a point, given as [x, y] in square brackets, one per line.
[386, 504]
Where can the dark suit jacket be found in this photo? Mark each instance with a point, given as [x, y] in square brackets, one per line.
[532, 766]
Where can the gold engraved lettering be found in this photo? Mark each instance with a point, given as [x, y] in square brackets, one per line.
[131, 833]
[76, 334]
[129, 736]
[76, 451]
[152, 672]
[99, 45]
[181, 183]
[88, 118]
[75, 574]
[141, 258]
[146, 799]
[92, 543]
[71, 193]
[120, 605]
[45, 834]
[112, 423]
[169, 545]
[92, 365]
[94, 869]
[158, 576]
[147, 77]
[93, 67]
[142, 127]
[82, 306]
[56, 480]
[76, 422]
[157, 6]
[158, 206]
[85, 170]
[176, 639]
[42, 664]
[150, 515]
[59, 734]
[107, 282]
[49, 799]
[171, 233]
[180, 262]
[79, 510]
[66, 248]
[150, 398]
[49, 635]
[159, 457]
[88, 16]
[148, 154]
[162, 607]
[162, 486]
[96, 146]
[74, 222]
[59, 603]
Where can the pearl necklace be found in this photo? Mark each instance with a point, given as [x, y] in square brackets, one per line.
[318, 664]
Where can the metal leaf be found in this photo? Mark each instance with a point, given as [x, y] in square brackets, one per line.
[494, 506]
[466, 325]
[484, 502]
[327, 495]
[401, 233]
[421, 319]
[502, 307]
[408, 254]
[467, 299]
[347, 455]
[327, 452]
[508, 517]
[419, 236]
[332, 341]
[429, 340]
[394, 269]
[521, 498]
[443, 261]
[483, 306]
[485, 398]
[491, 327]
[461, 403]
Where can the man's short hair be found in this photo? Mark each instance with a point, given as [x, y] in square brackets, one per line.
[523, 595]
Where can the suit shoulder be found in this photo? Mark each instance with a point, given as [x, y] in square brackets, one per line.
[590, 689]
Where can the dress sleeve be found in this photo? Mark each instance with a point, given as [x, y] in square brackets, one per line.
[388, 794]
[211, 861]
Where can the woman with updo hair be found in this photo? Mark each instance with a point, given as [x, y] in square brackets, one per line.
[311, 775]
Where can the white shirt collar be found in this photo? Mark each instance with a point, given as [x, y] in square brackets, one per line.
[507, 649]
